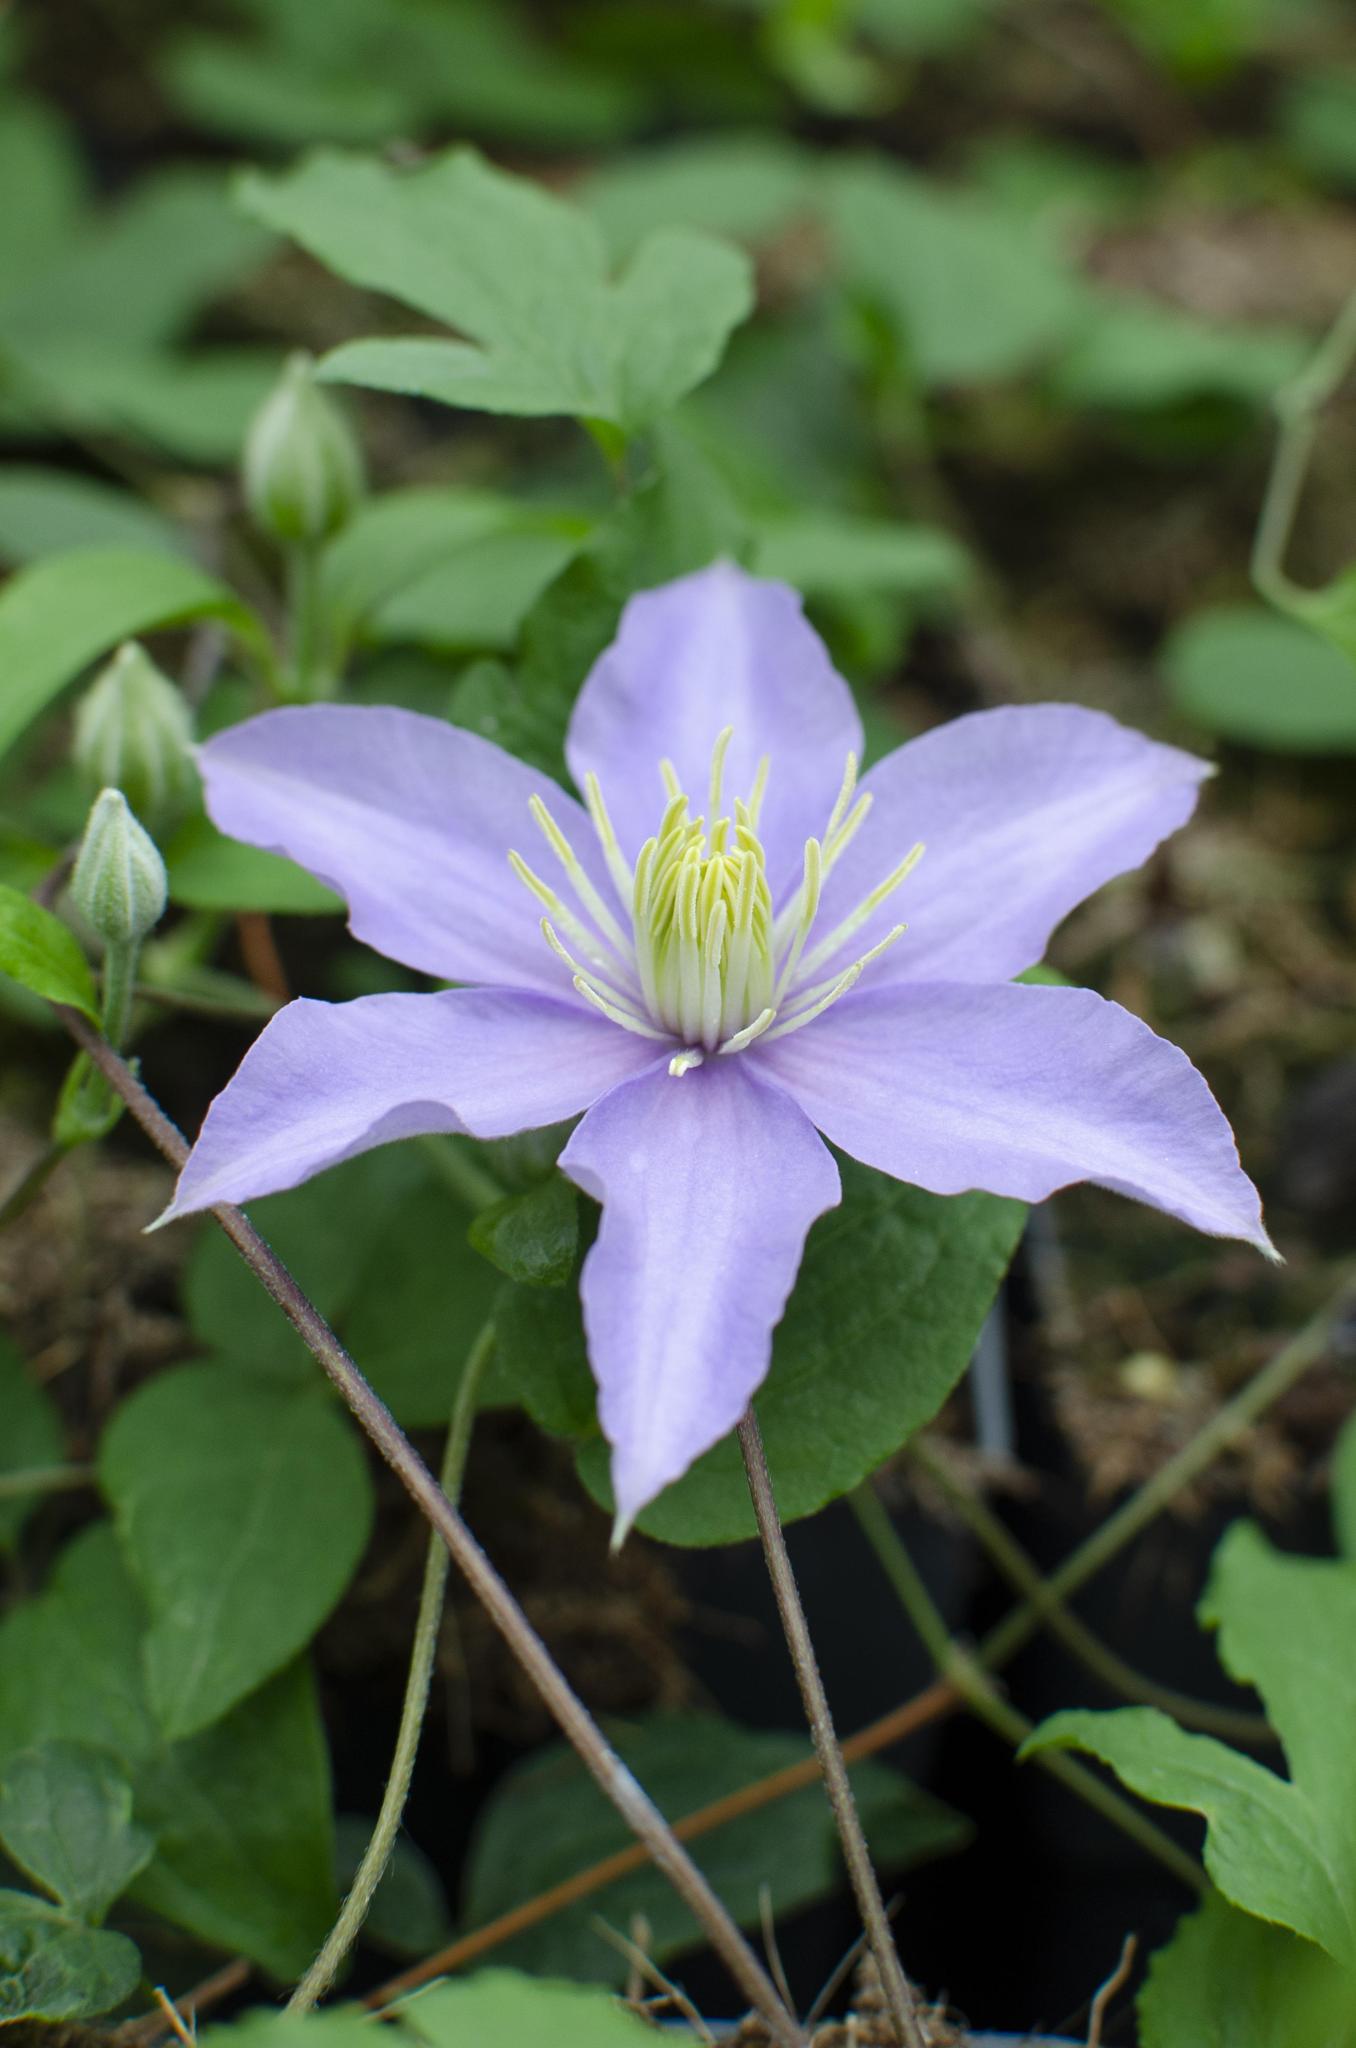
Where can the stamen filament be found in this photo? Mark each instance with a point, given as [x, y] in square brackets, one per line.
[718, 753]
[843, 798]
[837, 985]
[628, 1023]
[869, 904]
[749, 1033]
[615, 996]
[587, 942]
[808, 905]
[579, 880]
[623, 881]
[683, 1062]
[838, 845]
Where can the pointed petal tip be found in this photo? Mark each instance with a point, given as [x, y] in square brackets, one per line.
[621, 1529]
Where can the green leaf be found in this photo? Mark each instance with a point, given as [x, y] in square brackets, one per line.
[745, 187]
[1283, 1849]
[243, 1508]
[195, 406]
[414, 566]
[208, 871]
[384, 69]
[66, 1819]
[335, 2026]
[679, 518]
[241, 1814]
[522, 274]
[488, 2009]
[47, 511]
[59, 615]
[480, 600]
[893, 1289]
[1318, 122]
[500, 2006]
[1342, 1483]
[141, 272]
[1332, 612]
[837, 554]
[37, 158]
[546, 1820]
[533, 1237]
[540, 1361]
[42, 954]
[32, 1436]
[971, 296]
[380, 1246]
[51, 1968]
[1226, 1980]
[1265, 681]
[1135, 353]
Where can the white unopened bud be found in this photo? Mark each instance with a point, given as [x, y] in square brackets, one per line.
[303, 470]
[133, 732]
[119, 883]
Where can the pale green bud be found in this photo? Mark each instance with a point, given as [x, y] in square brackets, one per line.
[303, 470]
[119, 883]
[133, 732]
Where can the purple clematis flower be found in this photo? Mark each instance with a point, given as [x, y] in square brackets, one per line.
[713, 980]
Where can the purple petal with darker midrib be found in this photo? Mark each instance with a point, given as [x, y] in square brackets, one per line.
[1018, 1091]
[708, 1184]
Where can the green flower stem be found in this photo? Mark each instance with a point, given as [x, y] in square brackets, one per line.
[29, 1186]
[1022, 1573]
[461, 1170]
[1290, 1364]
[119, 986]
[967, 1673]
[306, 623]
[604, 1766]
[1297, 406]
[899, 1996]
[377, 1854]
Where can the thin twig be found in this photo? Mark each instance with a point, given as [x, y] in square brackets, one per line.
[1290, 1364]
[899, 1997]
[1021, 1572]
[45, 1479]
[1098, 2012]
[31, 1183]
[771, 1946]
[174, 2019]
[601, 1760]
[414, 1707]
[647, 1968]
[987, 1703]
[925, 1707]
[1297, 406]
[222, 1984]
[259, 951]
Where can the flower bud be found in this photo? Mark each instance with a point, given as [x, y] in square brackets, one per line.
[119, 883]
[303, 470]
[133, 732]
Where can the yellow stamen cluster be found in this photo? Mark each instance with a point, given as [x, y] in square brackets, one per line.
[706, 960]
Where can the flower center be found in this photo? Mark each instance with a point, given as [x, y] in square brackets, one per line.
[707, 960]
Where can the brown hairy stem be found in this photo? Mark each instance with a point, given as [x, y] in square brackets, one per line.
[639, 1812]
